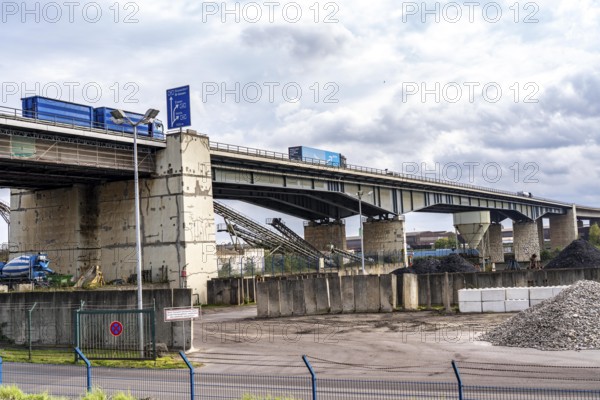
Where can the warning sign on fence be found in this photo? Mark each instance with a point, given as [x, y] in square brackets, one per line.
[181, 314]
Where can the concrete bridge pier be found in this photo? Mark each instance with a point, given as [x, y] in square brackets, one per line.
[496, 247]
[81, 226]
[563, 229]
[324, 234]
[526, 240]
[385, 238]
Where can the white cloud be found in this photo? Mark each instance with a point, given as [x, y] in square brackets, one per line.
[367, 59]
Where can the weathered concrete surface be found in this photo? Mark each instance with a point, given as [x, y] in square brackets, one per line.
[83, 226]
[360, 293]
[385, 236]
[335, 295]
[410, 292]
[262, 295]
[322, 236]
[286, 298]
[525, 240]
[299, 300]
[322, 294]
[52, 318]
[274, 299]
[387, 292]
[348, 294]
[563, 229]
[496, 247]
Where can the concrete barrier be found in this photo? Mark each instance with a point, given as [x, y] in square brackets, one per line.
[322, 295]
[504, 299]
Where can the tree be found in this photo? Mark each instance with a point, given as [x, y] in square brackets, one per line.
[446, 243]
[594, 235]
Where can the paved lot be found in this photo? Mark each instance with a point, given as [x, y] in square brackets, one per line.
[398, 346]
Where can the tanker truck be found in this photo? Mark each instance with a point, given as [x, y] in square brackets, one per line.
[26, 268]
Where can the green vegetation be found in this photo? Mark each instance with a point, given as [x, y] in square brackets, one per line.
[547, 255]
[14, 393]
[595, 235]
[446, 243]
[170, 361]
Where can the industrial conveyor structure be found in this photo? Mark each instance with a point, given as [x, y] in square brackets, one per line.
[254, 233]
[5, 212]
[292, 236]
[349, 255]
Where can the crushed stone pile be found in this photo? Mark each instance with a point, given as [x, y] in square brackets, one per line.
[432, 265]
[568, 321]
[579, 254]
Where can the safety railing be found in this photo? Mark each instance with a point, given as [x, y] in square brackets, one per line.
[188, 383]
[373, 171]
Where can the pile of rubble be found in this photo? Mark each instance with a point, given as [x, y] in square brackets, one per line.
[569, 321]
[431, 265]
[579, 254]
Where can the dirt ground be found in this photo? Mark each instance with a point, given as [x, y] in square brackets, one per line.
[408, 346]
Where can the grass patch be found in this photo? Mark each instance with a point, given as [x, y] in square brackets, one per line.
[12, 392]
[66, 357]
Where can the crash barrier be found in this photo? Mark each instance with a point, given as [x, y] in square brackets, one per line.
[231, 291]
[187, 383]
[504, 299]
[432, 287]
[330, 294]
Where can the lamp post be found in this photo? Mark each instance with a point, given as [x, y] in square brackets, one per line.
[119, 117]
[362, 241]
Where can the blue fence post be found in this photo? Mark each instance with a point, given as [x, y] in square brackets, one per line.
[460, 385]
[88, 367]
[0, 370]
[191, 367]
[313, 377]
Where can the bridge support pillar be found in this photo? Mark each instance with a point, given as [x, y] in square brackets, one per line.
[496, 248]
[323, 235]
[385, 238]
[95, 225]
[526, 240]
[540, 226]
[563, 229]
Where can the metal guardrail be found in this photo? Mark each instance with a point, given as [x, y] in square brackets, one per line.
[373, 171]
[17, 114]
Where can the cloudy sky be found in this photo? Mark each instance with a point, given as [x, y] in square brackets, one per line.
[499, 94]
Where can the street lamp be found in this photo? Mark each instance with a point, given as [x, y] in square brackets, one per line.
[362, 241]
[119, 118]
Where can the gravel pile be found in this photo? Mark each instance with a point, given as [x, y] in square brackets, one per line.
[569, 321]
[431, 265]
[579, 254]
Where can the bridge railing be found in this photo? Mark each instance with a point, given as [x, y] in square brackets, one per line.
[18, 115]
[375, 171]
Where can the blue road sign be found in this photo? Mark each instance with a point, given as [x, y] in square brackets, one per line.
[178, 104]
[116, 328]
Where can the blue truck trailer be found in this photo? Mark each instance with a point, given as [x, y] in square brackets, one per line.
[43, 108]
[103, 119]
[316, 156]
[59, 111]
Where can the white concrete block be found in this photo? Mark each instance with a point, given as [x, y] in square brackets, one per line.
[493, 306]
[493, 294]
[469, 306]
[557, 289]
[516, 305]
[521, 293]
[469, 295]
[3, 289]
[533, 302]
[540, 293]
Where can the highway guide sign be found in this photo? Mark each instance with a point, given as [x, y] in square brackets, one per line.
[178, 105]
[181, 314]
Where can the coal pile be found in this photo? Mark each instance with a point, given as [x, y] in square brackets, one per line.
[569, 321]
[432, 265]
[579, 254]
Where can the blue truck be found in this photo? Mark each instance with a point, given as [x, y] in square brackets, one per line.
[26, 268]
[46, 109]
[316, 156]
